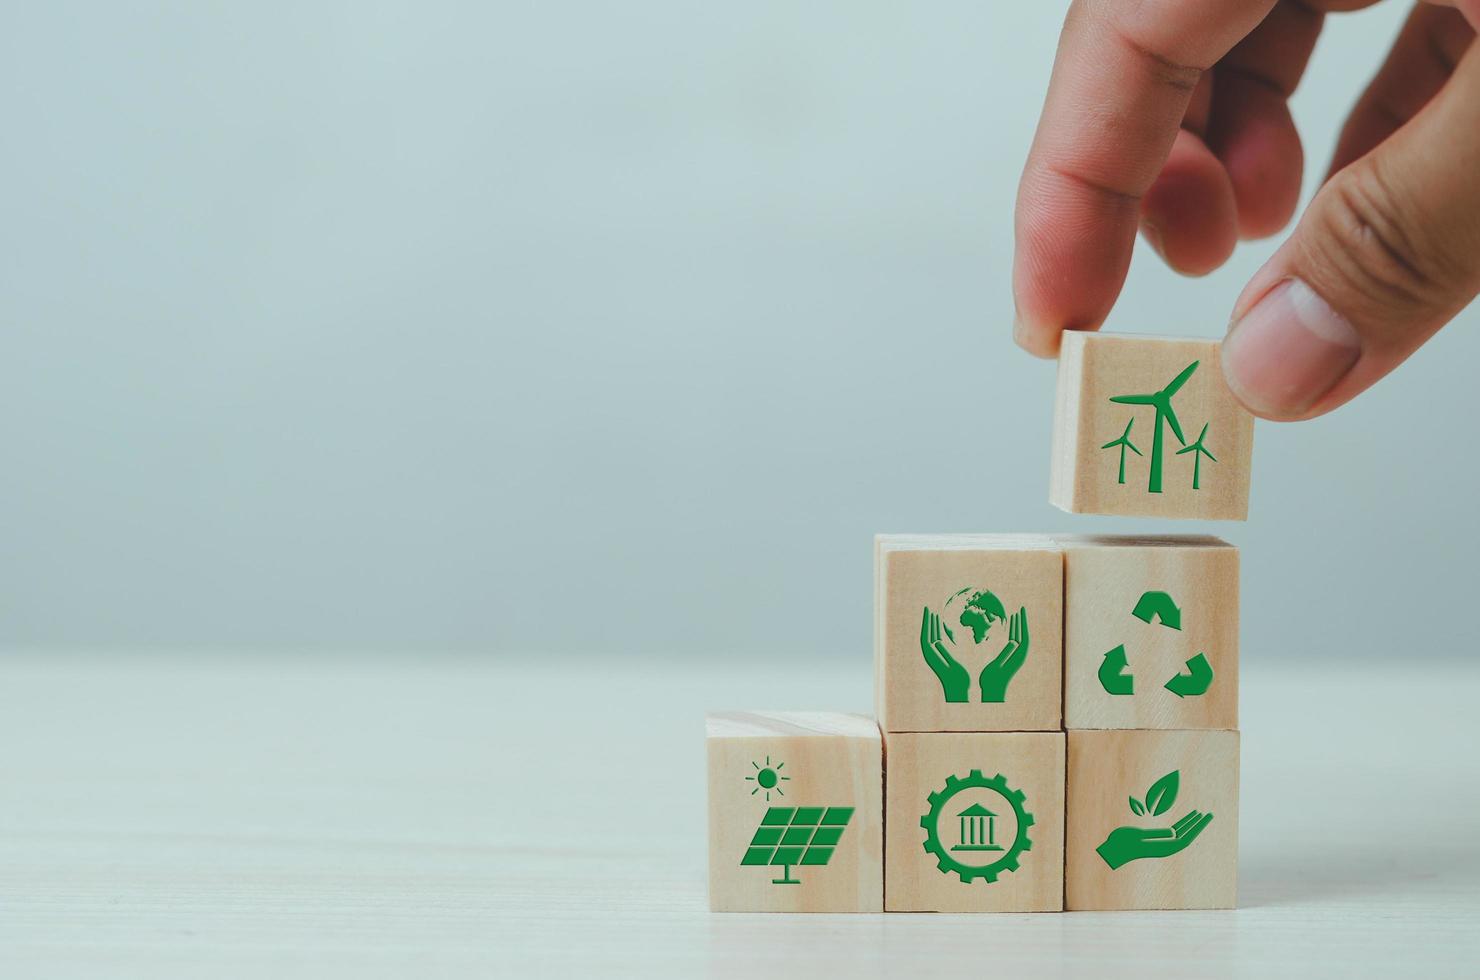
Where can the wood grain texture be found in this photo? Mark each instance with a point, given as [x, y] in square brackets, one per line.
[920, 764]
[1106, 769]
[1085, 478]
[913, 572]
[821, 760]
[1104, 580]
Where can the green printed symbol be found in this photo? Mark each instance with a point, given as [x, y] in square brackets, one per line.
[1165, 417]
[803, 835]
[1124, 442]
[977, 611]
[1114, 677]
[1199, 451]
[978, 829]
[1197, 679]
[768, 778]
[1114, 674]
[1127, 844]
[982, 802]
[1158, 606]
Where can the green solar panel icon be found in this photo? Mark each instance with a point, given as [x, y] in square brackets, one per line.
[788, 835]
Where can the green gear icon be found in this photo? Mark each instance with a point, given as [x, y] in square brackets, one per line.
[931, 822]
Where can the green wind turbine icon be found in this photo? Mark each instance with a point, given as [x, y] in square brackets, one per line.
[1198, 451]
[1162, 402]
[1124, 442]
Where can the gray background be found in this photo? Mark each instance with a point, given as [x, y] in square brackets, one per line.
[596, 328]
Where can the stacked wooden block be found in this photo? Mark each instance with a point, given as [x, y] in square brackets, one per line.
[1057, 715]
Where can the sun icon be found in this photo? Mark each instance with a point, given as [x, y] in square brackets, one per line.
[768, 778]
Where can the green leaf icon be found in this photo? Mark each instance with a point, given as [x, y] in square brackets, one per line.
[1137, 808]
[1163, 793]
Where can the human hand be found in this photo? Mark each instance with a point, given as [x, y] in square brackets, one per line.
[996, 675]
[1126, 844]
[1171, 115]
[954, 680]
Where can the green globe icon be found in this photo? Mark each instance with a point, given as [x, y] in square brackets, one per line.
[973, 612]
[975, 609]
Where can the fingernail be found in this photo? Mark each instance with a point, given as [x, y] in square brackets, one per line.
[1288, 351]
[1027, 338]
[1019, 330]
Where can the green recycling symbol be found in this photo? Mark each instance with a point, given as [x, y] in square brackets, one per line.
[1115, 675]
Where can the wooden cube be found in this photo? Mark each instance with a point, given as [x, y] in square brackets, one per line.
[974, 822]
[1150, 632]
[968, 633]
[1152, 820]
[795, 812]
[1146, 426]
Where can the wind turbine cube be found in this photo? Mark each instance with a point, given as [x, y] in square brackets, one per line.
[1147, 427]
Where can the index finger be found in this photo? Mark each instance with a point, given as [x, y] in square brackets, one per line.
[1122, 80]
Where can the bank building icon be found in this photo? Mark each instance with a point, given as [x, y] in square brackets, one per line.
[978, 829]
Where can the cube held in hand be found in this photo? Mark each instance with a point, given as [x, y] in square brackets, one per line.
[1146, 427]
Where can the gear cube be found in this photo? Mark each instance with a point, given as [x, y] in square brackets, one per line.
[968, 632]
[1147, 427]
[1150, 632]
[795, 812]
[1152, 820]
[974, 822]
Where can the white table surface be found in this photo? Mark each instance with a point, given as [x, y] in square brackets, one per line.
[225, 814]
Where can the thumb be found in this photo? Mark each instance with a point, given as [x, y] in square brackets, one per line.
[1386, 254]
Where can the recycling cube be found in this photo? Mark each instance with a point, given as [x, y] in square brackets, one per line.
[968, 632]
[1146, 426]
[1151, 820]
[795, 812]
[974, 822]
[1150, 632]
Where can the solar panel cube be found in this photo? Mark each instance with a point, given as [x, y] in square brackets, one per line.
[795, 812]
[974, 822]
[968, 632]
[1147, 427]
[1152, 820]
[1150, 632]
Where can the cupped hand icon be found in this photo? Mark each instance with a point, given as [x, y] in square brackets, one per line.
[996, 675]
[1126, 844]
[954, 680]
